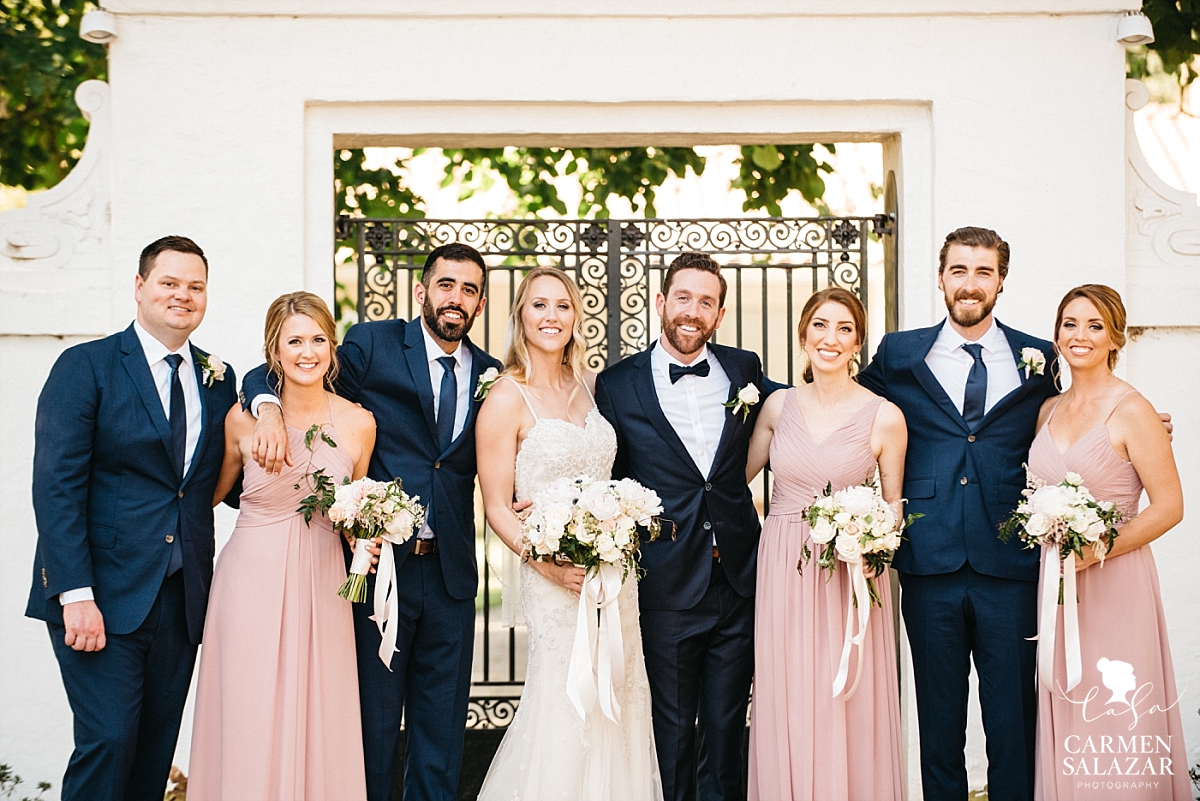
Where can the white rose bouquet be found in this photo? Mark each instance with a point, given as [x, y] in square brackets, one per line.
[857, 526]
[1064, 515]
[369, 509]
[1063, 519]
[593, 524]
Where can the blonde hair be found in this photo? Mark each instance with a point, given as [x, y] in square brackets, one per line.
[287, 306]
[516, 359]
[1112, 312]
[843, 297]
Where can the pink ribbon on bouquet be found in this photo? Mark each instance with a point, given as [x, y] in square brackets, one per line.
[858, 596]
[1054, 569]
[597, 664]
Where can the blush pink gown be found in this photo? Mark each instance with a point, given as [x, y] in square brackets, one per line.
[1104, 747]
[277, 715]
[804, 743]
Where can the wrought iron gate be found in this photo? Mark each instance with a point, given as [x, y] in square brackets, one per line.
[772, 265]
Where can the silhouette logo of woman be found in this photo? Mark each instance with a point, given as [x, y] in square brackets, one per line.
[1118, 677]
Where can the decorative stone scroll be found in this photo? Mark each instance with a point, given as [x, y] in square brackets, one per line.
[55, 263]
[1162, 236]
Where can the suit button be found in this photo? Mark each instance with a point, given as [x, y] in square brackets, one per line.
[437, 465]
[170, 538]
[971, 438]
[707, 526]
[708, 487]
[963, 481]
[181, 493]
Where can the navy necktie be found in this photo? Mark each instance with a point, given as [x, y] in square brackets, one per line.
[447, 402]
[178, 422]
[975, 397]
[678, 371]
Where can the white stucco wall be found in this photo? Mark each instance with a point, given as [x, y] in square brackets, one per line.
[224, 116]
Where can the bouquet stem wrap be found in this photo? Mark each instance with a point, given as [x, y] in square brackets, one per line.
[597, 664]
[1058, 570]
[355, 588]
[858, 596]
[387, 602]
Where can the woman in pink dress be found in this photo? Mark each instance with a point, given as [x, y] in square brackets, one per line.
[277, 715]
[804, 742]
[1117, 735]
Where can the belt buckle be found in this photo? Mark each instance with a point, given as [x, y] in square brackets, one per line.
[716, 553]
[423, 547]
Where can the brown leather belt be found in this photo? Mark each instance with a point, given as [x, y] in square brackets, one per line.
[424, 547]
[716, 553]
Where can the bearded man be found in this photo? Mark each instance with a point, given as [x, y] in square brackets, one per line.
[419, 379]
[682, 432]
[972, 411]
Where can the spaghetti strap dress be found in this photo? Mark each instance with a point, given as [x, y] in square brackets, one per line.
[1117, 736]
[804, 743]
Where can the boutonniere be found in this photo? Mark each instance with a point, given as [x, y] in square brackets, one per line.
[743, 399]
[1031, 360]
[211, 368]
[490, 376]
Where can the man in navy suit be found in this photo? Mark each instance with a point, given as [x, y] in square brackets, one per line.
[676, 435]
[972, 409]
[419, 380]
[128, 445]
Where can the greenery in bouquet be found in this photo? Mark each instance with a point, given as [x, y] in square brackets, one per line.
[368, 509]
[589, 522]
[854, 525]
[1063, 514]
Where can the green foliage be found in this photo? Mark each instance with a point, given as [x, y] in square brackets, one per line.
[318, 481]
[768, 172]
[1176, 41]
[372, 193]
[10, 780]
[42, 62]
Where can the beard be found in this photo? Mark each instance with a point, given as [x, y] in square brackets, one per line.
[970, 316]
[443, 328]
[686, 344]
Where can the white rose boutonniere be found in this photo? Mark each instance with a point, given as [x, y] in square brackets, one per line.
[743, 399]
[489, 377]
[212, 369]
[1031, 360]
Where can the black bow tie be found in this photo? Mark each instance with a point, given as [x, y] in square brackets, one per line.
[677, 372]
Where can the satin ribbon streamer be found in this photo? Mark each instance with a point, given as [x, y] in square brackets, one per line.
[387, 601]
[1055, 568]
[597, 664]
[858, 595]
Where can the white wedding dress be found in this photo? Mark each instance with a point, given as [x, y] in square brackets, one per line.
[548, 752]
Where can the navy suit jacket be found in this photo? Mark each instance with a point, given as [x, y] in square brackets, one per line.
[695, 507]
[966, 481]
[106, 493]
[383, 366]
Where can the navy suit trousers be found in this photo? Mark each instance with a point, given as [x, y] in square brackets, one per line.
[700, 662]
[128, 700]
[952, 618]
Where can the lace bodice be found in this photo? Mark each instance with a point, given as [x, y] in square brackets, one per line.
[557, 448]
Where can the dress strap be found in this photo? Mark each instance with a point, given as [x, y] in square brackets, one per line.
[521, 389]
[1118, 403]
[589, 392]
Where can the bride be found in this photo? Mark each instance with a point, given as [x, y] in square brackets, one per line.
[539, 423]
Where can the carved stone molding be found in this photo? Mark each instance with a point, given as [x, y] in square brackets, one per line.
[55, 264]
[1162, 236]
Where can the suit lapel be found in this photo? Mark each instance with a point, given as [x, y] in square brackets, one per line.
[648, 397]
[928, 380]
[732, 421]
[418, 366]
[477, 367]
[1015, 343]
[202, 391]
[139, 373]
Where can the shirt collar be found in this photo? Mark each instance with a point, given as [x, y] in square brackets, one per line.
[156, 351]
[433, 351]
[992, 340]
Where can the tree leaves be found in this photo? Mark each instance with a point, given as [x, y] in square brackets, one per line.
[769, 172]
[1175, 40]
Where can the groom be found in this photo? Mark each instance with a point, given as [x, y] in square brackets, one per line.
[972, 408]
[419, 379]
[677, 435]
[127, 450]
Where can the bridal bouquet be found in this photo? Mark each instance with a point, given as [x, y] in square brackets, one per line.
[1065, 515]
[369, 509]
[857, 526]
[1063, 519]
[593, 524]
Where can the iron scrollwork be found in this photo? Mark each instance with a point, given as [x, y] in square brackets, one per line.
[491, 713]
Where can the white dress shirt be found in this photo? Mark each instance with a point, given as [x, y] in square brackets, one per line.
[951, 365]
[156, 353]
[462, 373]
[693, 405]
